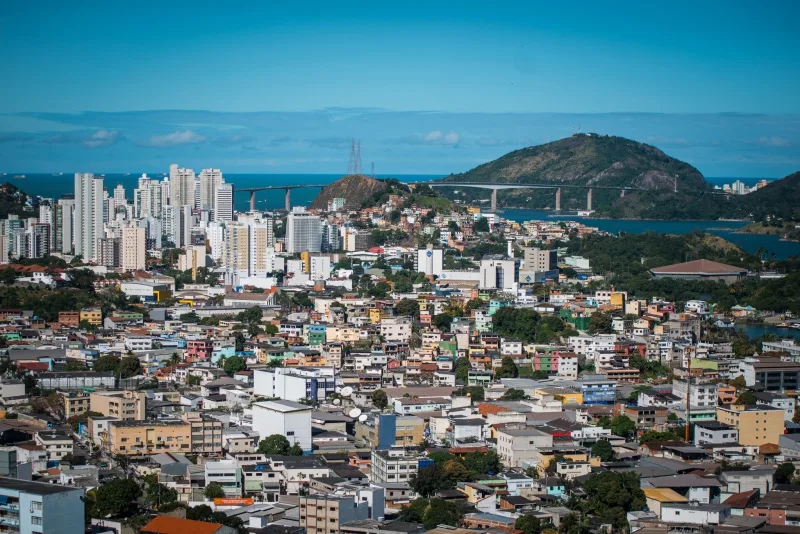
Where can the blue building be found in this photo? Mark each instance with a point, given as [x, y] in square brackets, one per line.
[599, 391]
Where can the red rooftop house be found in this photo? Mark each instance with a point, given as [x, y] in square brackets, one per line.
[199, 349]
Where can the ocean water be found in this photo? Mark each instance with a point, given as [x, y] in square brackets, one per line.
[49, 185]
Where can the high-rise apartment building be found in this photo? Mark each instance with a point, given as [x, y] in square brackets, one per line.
[110, 252]
[88, 227]
[181, 186]
[303, 231]
[133, 249]
[65, 213]
[210, 180]
[119, 197]
[237, 249]
[262, 251]
[223, 202]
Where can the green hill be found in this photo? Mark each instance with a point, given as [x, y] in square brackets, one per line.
[590, 159]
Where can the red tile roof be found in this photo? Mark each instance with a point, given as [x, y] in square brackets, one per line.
[163, 524]
[706, 267]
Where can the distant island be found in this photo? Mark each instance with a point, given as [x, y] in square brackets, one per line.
[616, 162]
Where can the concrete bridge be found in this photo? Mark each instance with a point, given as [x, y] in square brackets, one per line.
[287, 188]
[496, 187]
[493, 187]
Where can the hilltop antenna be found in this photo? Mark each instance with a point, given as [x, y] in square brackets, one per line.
[372, 170]
[354, 165]
[358, 169]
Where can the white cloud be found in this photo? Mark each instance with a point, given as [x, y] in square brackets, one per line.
[774, 141]
[437, 137]
[185, 137]
[101, 138]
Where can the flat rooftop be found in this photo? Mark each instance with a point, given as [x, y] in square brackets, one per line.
[37, 488]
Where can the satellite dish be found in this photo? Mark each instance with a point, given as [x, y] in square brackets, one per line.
[337, 402]
[355, 412]
[362, 417]
[347, 391]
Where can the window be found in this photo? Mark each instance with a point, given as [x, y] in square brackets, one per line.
[36, 520]
[36, 505]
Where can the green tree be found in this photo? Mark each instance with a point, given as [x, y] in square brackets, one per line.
[408, 307]
[482, 463]
[456, 471]
[117, 498]
[159, 494]
[746, 397]
[441, 512]
[652, 435]
[295, 450]
[507, 369]
[234, 364]
[427, 481]
[106, 363]
[481, 225]
[784, 473]
[739, 382]
[129, 366]
[443, 321]
[600, 323]
[214, 491]
[623, 426]
[461, 368]
[274, 444]
[380, 399]
[513, 394]
[603, 450]
[239, 341]
[529, 524]
[611, 495]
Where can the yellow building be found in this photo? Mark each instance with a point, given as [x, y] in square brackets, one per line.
[544, 455]
[564, 395]
[137, 438]
[94, 317]
[125, 405]
[618, 300]
[374, 315]
[344, 334]
[409, 431]
[757, 425]
[74, 403]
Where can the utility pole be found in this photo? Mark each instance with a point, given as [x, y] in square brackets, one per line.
[688, 397]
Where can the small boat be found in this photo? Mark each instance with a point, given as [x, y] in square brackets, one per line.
[782, 325]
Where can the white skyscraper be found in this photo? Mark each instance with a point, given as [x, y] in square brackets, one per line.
[119, 197]
[223, 202]
[303, 231]
[133, 249]
[210, 180]
[181, 186]
[88, 227]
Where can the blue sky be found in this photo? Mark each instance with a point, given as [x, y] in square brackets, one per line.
[429, 87]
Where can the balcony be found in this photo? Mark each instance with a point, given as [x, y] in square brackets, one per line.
[10, 507]
[9, 521]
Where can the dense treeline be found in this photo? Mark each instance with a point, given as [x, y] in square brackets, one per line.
[529, 326]
[626, 262]
[638, 253]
